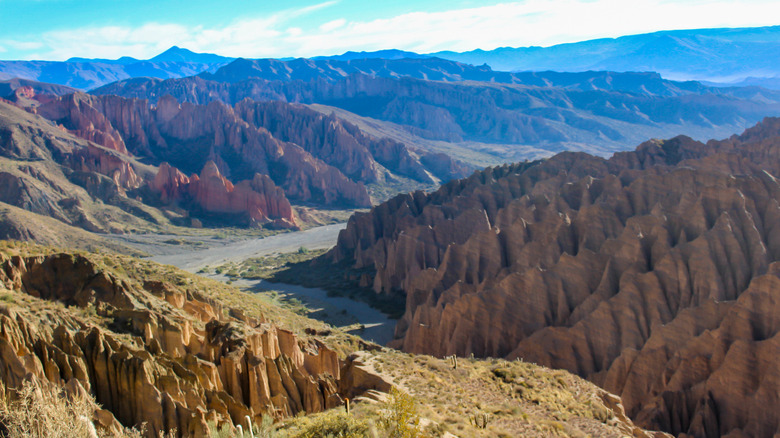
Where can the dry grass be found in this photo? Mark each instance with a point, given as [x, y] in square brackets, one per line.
[135, 272]
[43, 411]
[516, 398]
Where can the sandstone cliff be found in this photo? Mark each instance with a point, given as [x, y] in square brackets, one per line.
[335, 141]
[643, 273]
[188, 136]
[163, 352]
[177, 351]
[259, 198]
[48, 171]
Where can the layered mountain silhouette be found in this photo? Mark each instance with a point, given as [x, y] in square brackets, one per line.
[85, 73]
[654, 274]
[444, 101]
[721, 55]
[718, 55]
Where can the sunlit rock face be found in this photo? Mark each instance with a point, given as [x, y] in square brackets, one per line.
[161, 354]
[655, 274]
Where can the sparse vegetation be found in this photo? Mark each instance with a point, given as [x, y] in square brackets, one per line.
[517, 398]
[298, 268]
[332, 424]
[43, 411]
[400, 418]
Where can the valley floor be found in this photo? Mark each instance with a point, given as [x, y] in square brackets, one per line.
[193, 260]
[199, 253]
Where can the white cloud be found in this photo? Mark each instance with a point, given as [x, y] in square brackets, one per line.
[23, 45]
[531, 22]
[536, 22]
[333, 25]
[294, 31]
[113, 41]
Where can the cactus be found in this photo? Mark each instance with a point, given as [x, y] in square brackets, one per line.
[249, 424]
[347, 405]
[240, 431]
[480, 421]
[453, 360]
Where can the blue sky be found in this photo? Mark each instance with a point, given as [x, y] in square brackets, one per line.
[59, 29]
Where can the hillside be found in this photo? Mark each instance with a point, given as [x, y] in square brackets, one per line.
[156, 345]
[108, 164]
[652, 274]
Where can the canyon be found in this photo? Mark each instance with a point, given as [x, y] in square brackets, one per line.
[653, 274]
[192, 165]
[181, 354]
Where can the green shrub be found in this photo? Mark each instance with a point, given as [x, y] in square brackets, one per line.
[331, 424]
[400, 418]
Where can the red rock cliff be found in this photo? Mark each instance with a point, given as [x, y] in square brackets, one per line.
[188, 136]
[643, 273]
[258, 198]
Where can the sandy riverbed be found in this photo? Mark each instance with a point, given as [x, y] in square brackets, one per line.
[378, 327]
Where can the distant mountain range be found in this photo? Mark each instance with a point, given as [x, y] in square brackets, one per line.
[717, 55]
[174, 54]
[85, 74]
[472, 113]
[382, 54]
[745, 56]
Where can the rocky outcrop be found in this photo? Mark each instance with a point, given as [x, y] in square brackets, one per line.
[112, 165]
[643, 273]
[83, 120]
[156, 353]
[170, 183]
[259, 199]
[50, 172]
[333, 140]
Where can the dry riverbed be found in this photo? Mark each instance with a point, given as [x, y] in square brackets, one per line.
[200, 254]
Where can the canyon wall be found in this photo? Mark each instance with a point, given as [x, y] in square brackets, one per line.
[653, 274]
[188, 136]
[158, 352]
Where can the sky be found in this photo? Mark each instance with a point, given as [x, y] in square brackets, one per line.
[60, 29]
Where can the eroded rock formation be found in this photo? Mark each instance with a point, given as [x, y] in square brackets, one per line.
[155, 352]
[335, 141]
[655, 274]
[259, 198]
[188, 136]
[599, 112]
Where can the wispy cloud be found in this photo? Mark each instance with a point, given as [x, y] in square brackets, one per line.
[531, 22]
[23, 45]
[333, 25]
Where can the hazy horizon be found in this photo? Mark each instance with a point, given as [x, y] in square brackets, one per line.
[61, 29]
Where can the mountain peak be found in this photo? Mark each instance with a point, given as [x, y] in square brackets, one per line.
[390, 54]
[181, 54]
